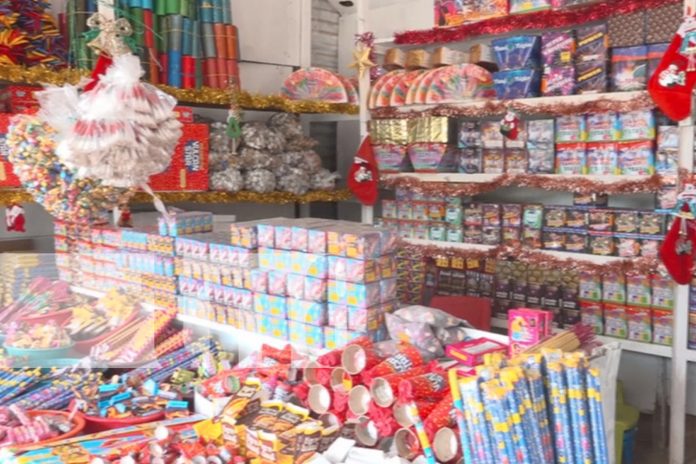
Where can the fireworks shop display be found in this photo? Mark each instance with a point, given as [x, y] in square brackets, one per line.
[318, 283]
[631, 143]
[274, 156]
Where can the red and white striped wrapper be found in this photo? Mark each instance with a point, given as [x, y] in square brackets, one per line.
[400, 412]
[432, 385]
[440, 417]
[384, 389]
[404, 360]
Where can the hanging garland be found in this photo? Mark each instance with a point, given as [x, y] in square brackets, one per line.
[641, 101]
[577, 184]
[529, 21]
[640, 266]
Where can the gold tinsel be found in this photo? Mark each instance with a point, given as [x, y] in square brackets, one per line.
[38, 75]
[8, 196]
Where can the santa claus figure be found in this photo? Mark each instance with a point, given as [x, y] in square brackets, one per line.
[14, 217]
[672, 76]
[510, 125]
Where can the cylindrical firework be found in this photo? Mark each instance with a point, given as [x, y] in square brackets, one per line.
[453, 378]
[477, 426]
[539, 406]
[558, 396]
[493, 398]
[599, 438]
[384, 389]
[422, 435]
[359, 400]
[355, 358]
[445, 445]
[577, 402]
[404, 360]
[400, 411]
[430, 385]
[340, 380]
[516, 415]
[319, 399]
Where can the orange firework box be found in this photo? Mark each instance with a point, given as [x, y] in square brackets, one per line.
[188, 170]
[7, 175]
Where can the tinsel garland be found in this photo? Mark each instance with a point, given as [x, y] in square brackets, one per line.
[8, 197]
[530, 21]
[565, 106]
[38, 75]
[641, 266]
[551, 182]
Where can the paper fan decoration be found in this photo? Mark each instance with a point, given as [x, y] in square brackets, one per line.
[424, 86]
[413, 89]
[398, 95]
[459, 82]
[315, 84]
[384, 96]
[350, 90]
[377, 88]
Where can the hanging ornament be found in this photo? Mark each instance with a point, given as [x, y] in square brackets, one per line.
[14, 218]
[679, 248]
[363, 176]
[510, 125]
[672, 84]
[361, 60]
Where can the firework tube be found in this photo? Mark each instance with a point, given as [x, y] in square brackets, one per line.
[422, 435]
[480, 439]
[594, 393]
[577, 397]
[453, 378]
[558, 396]
[425, 408]
[383, 389]
[493, 395]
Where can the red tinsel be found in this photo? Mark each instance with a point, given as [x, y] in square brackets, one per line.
[530, 21]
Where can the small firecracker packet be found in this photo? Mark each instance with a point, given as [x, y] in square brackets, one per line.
[471, 352]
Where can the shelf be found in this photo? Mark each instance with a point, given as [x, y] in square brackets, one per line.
[593, 259]
[10, 196]
[631, 346]
[206, 97]
[453, 177]
[579, 103]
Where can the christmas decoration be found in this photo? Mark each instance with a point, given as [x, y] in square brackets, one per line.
[510, 125]
[364, 174]
[551, 182]
[531, 21]
[672, 84]
[367, 40]
[14, 218]
[617, 103]
[361, 60]
[679, 248]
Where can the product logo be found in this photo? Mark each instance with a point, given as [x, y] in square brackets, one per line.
[192, 156]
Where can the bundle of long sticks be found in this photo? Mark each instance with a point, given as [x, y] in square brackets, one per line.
[573, 339]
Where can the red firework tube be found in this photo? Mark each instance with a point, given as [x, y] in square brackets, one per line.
[407, 444]
[341, 381]
[430, 385]
[384, 389]
[233, 74]
[404, 360]
[223, 77]
[220, 41]
[319, 399]
[333, 358]
[446, 445]
[154, 67]
[188, 71]
[356, 359]
[359, 400]
[301, 391]
[366, 432]
[232, 37]
[149, 32]
[164, 69]
[211, 73]
[400, 412]
[440, 417]
[316, 374]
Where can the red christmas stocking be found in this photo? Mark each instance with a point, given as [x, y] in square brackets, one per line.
[677, 252]
[673, 81]
[364, 174]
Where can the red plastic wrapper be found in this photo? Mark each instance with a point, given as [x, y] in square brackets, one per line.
[404, 360]
[430, 385]
[384, 389]
[384, 420]
[284, 356]
[440, 417]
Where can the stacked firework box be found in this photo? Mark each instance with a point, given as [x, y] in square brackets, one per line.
[277, 277]
[20, 269]
[182, 43]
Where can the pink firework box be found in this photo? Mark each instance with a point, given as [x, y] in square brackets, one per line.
[315, 84]
[471, 352]
[527, 327]
[458, 82]
[402, 87]
[433, 157]
[391, 158]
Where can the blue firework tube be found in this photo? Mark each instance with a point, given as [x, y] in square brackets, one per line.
[576, 375]
[559, 413]
[476, 421]
[538, 397]
[516, 413]
[594, 394]
[460, 416]
[531, 424]
[502, 433]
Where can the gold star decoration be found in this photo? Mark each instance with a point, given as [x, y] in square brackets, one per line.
[361, 60]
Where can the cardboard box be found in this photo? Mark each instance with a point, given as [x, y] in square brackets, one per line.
[7, 175]
[188, 170]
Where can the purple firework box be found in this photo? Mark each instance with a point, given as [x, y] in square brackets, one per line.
[558, 81]
[557, 48]
[591, 77]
